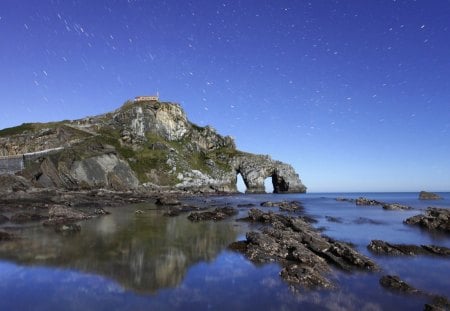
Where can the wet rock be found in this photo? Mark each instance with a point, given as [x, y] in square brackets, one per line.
[3, 219]
[334, 219]
[433, 219]
[6, 236]
[302, 251]
[284, 205]
[68, 228]
[424, 195]
[178, 210]
[395, 284]
[306, 277]
[139, 212]
[216, 215]
[23, 217]
[166, 200]
[438, 303]
[395, 207]
[368, 202]
[61, 215]
[385, 248]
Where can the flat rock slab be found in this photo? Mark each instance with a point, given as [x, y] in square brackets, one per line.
[385, 248]
[433, 219]
[305, 255]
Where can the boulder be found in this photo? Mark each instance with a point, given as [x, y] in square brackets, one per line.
[424, 195]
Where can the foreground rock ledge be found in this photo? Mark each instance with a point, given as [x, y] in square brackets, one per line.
[303, 252]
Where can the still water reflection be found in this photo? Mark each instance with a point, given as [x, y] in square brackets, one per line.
[144, 252]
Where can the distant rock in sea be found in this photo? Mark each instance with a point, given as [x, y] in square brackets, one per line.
[424, 195]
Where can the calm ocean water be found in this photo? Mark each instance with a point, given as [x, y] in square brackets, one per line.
[125, 261]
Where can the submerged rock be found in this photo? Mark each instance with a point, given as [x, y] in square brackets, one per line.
[385, 248]
[302, 251]
[424, 195]
[216, 215]
[361, 201]
[433, 219]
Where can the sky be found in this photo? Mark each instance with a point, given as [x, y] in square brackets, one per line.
[354, 94]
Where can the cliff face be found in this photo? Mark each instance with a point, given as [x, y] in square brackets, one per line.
[147, 145]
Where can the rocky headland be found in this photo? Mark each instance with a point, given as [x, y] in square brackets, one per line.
[144, 146]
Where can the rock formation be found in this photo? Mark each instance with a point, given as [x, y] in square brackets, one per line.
[424, 195]
[145, 145]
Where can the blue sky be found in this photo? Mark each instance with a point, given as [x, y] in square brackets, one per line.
[354, 94]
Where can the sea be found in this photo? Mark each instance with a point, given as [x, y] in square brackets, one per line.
[148, 261]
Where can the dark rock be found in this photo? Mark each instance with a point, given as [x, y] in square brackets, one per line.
[302, 251]
[6, 236]
[424, 195]
[167, 201]
[61, 215]
[433, 219]
[385, 248]
[438, 303]
[283, 205]
[306, 277]
[395, 207]
[364, 221]
[3, 219]
[368, 202]
[239, 246]
[216, 215]
[334, 219]
[23, 217]
[68, 228]
[395, 284]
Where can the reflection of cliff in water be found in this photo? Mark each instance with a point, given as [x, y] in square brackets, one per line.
[143, 252]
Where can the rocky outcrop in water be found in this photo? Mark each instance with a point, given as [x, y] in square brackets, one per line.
[385, 248]
[424, 195]
[433, 219]
[361, 201]
[302, 251]
[394, 284]
[150, 146]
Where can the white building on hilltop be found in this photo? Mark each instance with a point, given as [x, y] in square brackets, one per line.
[147, 98]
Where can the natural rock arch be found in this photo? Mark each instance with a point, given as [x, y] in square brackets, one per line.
[255, 169]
